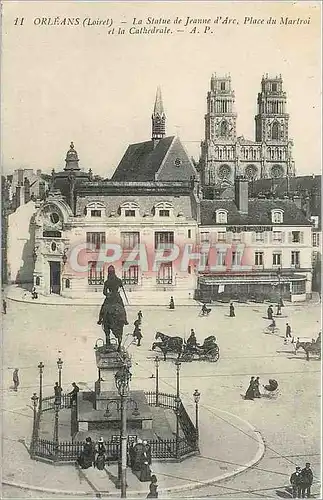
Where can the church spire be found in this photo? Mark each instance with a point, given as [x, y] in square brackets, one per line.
[158, 118]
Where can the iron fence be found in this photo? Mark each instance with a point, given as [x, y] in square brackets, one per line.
[163, 449]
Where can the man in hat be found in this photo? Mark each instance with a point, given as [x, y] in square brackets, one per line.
[288, 331]
[295, 481]
[74, 393]
[306, 480]
[15, 379]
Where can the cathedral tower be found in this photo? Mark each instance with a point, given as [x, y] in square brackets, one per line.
[218, 148]
[158, 118]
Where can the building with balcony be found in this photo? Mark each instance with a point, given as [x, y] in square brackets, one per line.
[254, 248]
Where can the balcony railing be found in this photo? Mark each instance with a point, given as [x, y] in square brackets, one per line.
[164, 281]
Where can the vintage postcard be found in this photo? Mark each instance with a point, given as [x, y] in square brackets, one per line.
[161, 249]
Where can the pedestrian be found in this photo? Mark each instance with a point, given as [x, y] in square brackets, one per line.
[171, 303]
[232, 313]
[270, 312]
[250, 393]
[288, 331]
[295, 481]
[74, 394]
[58, 393]
[100, 454]
[306, 480]
[139, 317]
[15, 378]
[256, 388]
[147, 451]
[137, 332]
[4, 306]
[279, 309]
[87, 455]
[153, 493]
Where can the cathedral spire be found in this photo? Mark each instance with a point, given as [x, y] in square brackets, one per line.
[158, 118]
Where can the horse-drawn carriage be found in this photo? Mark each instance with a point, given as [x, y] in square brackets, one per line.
[208, 351]
[310, 346]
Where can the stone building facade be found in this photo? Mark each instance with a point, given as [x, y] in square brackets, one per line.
[224, 154]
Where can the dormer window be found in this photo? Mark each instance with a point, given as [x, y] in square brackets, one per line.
[164, 209]
[221, 216]
[277, 216]
[129, 209]
[163, 213]
[94, 209]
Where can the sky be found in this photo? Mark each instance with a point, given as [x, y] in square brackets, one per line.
[83, 84]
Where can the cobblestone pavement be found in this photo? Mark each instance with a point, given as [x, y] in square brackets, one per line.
[290, 424]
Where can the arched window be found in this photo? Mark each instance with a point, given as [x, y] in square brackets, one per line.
[163, 209]
[275, 131]
[37, 281]
[129, 209]
[221, 216]
[94, 209]
[224, 129]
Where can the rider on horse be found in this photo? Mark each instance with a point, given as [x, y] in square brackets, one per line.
[112, 296]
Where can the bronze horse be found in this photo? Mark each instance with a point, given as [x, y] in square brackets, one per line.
[113, 315]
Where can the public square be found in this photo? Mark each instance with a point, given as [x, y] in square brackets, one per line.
[289, 424]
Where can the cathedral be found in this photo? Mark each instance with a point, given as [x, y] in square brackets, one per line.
[224, 155]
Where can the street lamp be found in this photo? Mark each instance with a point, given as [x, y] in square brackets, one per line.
[41, 367]
[279, 274]
[177, 402]
[34, 400]
[59, 366]
[157, 377]
[122, 379]
[55, 439]
[196, 396]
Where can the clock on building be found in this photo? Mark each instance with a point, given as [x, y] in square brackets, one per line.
[52, 217]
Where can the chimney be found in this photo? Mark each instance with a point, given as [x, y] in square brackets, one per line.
[241, 194]
[298, 202]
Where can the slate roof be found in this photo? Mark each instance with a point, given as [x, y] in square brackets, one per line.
[280, 186]
[141, 161]
[259, 213]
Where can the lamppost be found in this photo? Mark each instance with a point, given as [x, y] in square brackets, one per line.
[55, 439]
[177, 401]
[59, 366]
[196, 396]
[41, 367]
[157, 377]
[279, 274]
[122, 379]
[34, 400]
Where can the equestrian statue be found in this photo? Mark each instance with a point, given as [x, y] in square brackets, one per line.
[113, 316]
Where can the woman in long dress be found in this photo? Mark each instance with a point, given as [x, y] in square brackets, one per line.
[100, 455]
[86, 458]
[111, 288]
[250, 394]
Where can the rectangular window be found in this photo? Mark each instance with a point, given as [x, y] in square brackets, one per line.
[296, 237]
[189, 233]
[259, 258]
[260, 236]
[96, 239]
[189, 270]
[205, 237]
[274, 87]
[163, 213]
[220, 258]
[295, 258]
[95, 213]
[164, 239]
[277, 259]
[130, 213]
[129, 240]
[95, 273]
[130, 275]
[165, 274]
[222, 236]
[236, 258]
[316, 239]
[277, 236]
[298, 287]
[222, 85]
[236, 237]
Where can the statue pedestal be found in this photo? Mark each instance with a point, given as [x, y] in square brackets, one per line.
[108, 361]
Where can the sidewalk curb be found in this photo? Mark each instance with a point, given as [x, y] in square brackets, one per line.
[193, 303]
[185, 487]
